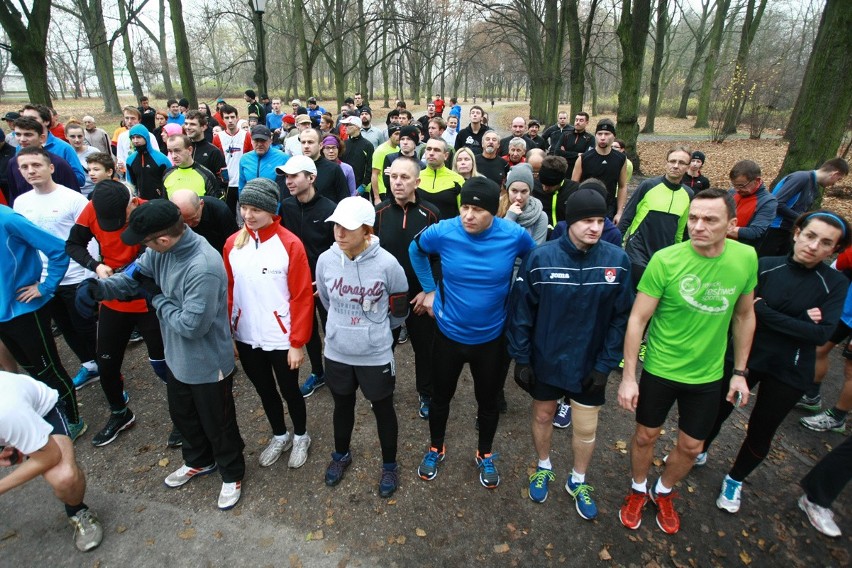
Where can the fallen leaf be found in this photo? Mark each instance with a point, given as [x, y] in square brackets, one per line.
[217, 534]
[420, 532]
[620, 445]
[163, 462]
[511, 527]
[746, 559]
[391, 502]
[120, 529]
[266, 542]
[501, 548]
[690, 488]
[295, 561]
[400, 539]
[745, 534]
[721, 533]
[140, 508]
[604, 554]
[8, 535]
[282, 501]
[549, 546]
[187, 534]
[316, 535]
[150, 541]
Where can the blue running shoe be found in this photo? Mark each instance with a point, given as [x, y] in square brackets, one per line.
[312, 384]
[581, 492]
[77, 429]
[85, 377]
[389, 481]
[428, 468]
[335, 470]
[489, 477]
[562, 418]
[538, 484]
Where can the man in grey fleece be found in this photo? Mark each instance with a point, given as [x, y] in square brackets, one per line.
[184, 279]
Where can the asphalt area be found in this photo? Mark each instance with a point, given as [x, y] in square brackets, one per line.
[290, 518]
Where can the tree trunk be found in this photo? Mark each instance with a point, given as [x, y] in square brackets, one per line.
[299, 25]
[702, 118]
[657, 65]
[161, 49]
[128, 52]
[385, 70]
[363, 69]
[632, 32]
[740, 80]
[261, 77]
[701, 42]
[184, 64]
[814, 133]
[578, 44]
[29, 45]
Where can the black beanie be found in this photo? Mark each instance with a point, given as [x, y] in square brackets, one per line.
[410, 131]
[698, 155]
[550, 176]
[584, 203]
[481, 192]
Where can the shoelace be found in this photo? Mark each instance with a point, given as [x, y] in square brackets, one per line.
[389, 477]
[582, 492]
[635, 502]
[666, 506]
[540, 476]
[487, 463]
[431, 458]
[563, 410]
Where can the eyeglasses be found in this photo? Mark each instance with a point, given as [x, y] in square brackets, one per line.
[741, 186]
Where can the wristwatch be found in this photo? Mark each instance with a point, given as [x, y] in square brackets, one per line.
[741, 372]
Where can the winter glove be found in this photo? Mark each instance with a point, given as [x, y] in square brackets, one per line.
[524, 377]
[86, 300]
[595, 382]
[147, 287]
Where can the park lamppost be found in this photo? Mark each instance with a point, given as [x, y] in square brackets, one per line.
[260, 77]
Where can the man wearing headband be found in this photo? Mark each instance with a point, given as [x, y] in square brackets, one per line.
[478, 252]
[610, 167]
[756, 207]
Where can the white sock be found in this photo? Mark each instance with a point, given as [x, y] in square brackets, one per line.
[298, 437]
[283, 437]
[659, 488]
[641, 487]
[578, 477]
[545, 463]
[91, 366]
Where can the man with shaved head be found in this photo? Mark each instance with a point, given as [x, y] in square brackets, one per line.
[96, 137]
[207, 216]
[519, 130]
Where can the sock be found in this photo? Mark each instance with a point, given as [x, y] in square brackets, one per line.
[578, 477]
[661, 489]
[640, 487]
[283, 437]
[729, 478]
[160, 369]
[91, 366]
[297, 437]
[72, 510]
[545, 463]
[838, 414]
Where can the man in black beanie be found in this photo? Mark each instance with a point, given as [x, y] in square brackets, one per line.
[693, 178]
[575, 278]
[553, 189]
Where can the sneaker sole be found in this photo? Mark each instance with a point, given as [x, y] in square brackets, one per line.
[199, 474]
[434, 475]
[560, 426]
[819, 530]
[536, 500]
[88, 382]
[625, 525]
[657, 518]
[731, 508]
[232, 505]
[482, 481]
[114, 436]
[809, 407]
[312, 391]
[839, 430]
[286, 447]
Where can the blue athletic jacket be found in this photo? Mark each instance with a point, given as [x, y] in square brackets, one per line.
[568, 311]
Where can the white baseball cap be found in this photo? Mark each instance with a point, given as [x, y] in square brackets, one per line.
[296, 164]
[352, 212]
[351, 120]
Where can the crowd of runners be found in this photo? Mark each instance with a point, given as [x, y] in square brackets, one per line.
[304, 238]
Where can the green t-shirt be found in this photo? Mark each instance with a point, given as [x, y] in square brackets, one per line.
[688, 334]
[379, 162]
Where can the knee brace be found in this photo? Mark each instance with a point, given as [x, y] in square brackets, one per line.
[160, 369]
[585, 422]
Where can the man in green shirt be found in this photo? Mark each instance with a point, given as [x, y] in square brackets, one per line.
[694, 291]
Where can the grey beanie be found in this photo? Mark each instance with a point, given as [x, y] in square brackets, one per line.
[261, 193]
[522, 173]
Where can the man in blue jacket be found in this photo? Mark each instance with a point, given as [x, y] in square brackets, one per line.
[575, 278]
[262, 161]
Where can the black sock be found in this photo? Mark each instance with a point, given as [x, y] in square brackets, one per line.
[838, 414]
[72, 510]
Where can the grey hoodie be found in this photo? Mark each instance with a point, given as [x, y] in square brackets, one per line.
[355, 293]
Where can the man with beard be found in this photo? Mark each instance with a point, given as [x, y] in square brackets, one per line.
[488, 162]
[610, 167]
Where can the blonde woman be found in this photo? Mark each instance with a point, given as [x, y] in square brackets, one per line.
[464, 163]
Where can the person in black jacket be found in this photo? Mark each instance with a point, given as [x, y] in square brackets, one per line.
[211, 157]
[553, 189]
[798, 303]
[399, 219]
[576, 141]
[330, 181]
[304, 214]
[359, 152]
[206, 216]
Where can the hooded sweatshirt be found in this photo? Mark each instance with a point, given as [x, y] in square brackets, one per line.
[146, 167]
[355, 292]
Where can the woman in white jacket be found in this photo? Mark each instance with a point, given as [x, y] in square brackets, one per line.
[270, 297]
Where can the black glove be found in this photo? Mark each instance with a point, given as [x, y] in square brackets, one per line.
[595, 382]
[86, 300]
[147, 287]
[524, 377]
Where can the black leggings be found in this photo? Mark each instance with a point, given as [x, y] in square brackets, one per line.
[828, 478]
[263, 368]
[386, 424]
[80, 333]
[421, 332]
[314, 345]
[773, 402]
[488, 368]
[30, 341]
[114, 329]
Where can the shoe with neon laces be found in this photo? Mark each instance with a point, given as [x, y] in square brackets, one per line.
[581, 492]
[230, 494]
[88, 531]
[337, 468]
[489, 477]
[428, 468]
[812, 404]
[562, 418]
[85, 377]
[312, 384]
[184, 473]
[667, 518]
[823, 422]
[389, 481]
[731, 495]
[630, 513]
[538, 484]
[821, 518]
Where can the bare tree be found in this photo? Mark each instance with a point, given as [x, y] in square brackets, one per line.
[632, 32]
[27, 31]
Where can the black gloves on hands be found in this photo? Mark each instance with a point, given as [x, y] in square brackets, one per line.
[524, 376]
[148, 288]
[86, 300]
[595, 382]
